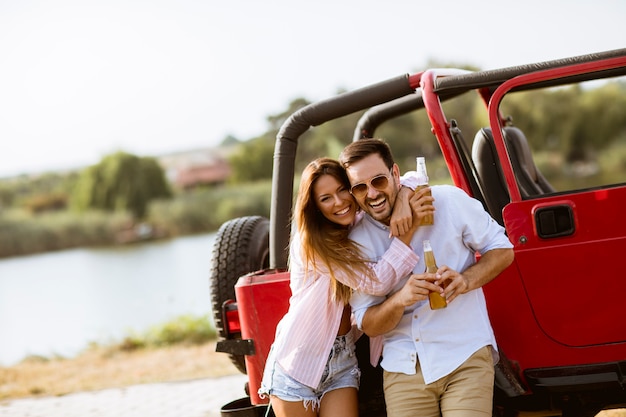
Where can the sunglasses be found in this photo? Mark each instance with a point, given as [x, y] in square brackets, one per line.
[379, 182]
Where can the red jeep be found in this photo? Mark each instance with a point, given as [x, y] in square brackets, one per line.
[557, 311]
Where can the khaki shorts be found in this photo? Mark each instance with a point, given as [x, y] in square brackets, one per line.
[466, 392]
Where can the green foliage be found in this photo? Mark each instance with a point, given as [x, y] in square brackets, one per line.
[230, 141]
[564, 118]
[22, 233]
[46, 202]
[253, 160]
[7, 195]
[328, 140]
[277, 120]
[186, 329]
[121, 182]
[186, 214]
[409, 136]
[22, 191]
[206, 209]
[200, 211]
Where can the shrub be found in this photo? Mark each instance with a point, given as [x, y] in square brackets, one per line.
[185, 329]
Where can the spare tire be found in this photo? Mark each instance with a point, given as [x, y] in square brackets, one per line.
[241, 246]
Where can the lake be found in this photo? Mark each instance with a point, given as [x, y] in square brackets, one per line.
[57, 303]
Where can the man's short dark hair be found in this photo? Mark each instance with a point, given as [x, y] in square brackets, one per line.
[363, 148]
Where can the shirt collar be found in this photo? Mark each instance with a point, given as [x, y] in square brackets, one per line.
[376, 223]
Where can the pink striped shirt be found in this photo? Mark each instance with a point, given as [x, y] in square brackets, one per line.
[306, 333]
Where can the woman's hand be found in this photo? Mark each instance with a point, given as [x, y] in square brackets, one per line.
[417, 202]
[402, 215]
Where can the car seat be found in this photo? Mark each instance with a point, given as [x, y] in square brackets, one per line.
[529, 179]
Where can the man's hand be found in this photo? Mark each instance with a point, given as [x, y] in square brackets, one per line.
[417, 288]
[489, 265]
[384, 317]
[452, 283]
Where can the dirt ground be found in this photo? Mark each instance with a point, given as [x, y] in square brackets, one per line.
[101, 368]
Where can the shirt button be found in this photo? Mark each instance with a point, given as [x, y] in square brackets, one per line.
[415, 316]
[417, 339]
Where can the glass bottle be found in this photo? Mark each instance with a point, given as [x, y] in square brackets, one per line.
[436, 300]
[422, 182]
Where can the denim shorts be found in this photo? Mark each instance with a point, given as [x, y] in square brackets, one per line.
[341, 371]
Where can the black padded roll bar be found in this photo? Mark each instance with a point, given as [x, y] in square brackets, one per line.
[287, 141]
[374, 117]
[493, 78]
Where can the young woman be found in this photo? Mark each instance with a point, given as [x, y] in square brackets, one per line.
[312, 369]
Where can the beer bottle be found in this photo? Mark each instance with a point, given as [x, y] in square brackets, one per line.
[422, 182]
[436, 300]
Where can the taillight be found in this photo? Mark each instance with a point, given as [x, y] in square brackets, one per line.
[230, 315]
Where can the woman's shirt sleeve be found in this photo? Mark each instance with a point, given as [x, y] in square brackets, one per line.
[409, 179]
[397, 262]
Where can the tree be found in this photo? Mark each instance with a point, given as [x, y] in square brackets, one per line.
[229, 140]
[253, 160]
[120, 182]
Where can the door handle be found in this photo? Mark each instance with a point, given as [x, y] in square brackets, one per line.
[554, 221]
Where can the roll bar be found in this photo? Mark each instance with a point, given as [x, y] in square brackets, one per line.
[287, 141]
[493, 78]
[374, 117]
[400, 95]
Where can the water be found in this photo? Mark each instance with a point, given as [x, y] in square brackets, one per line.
[57, 303]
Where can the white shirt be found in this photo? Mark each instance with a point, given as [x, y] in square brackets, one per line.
[440, 339]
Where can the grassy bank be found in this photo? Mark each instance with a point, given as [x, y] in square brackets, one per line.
[179, 350]
[23, 232]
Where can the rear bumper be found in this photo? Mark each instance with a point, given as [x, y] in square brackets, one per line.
[575, 379]
[581, 390]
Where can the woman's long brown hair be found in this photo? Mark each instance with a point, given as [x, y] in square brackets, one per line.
[322, 240]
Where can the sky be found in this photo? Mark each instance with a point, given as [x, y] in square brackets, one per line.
[80, 79]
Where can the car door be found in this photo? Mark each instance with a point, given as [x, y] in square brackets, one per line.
[570, 238]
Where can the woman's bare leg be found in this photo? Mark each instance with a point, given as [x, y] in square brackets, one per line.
[342, 402]
[291, 408]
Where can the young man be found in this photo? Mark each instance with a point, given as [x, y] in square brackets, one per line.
[436, 362]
